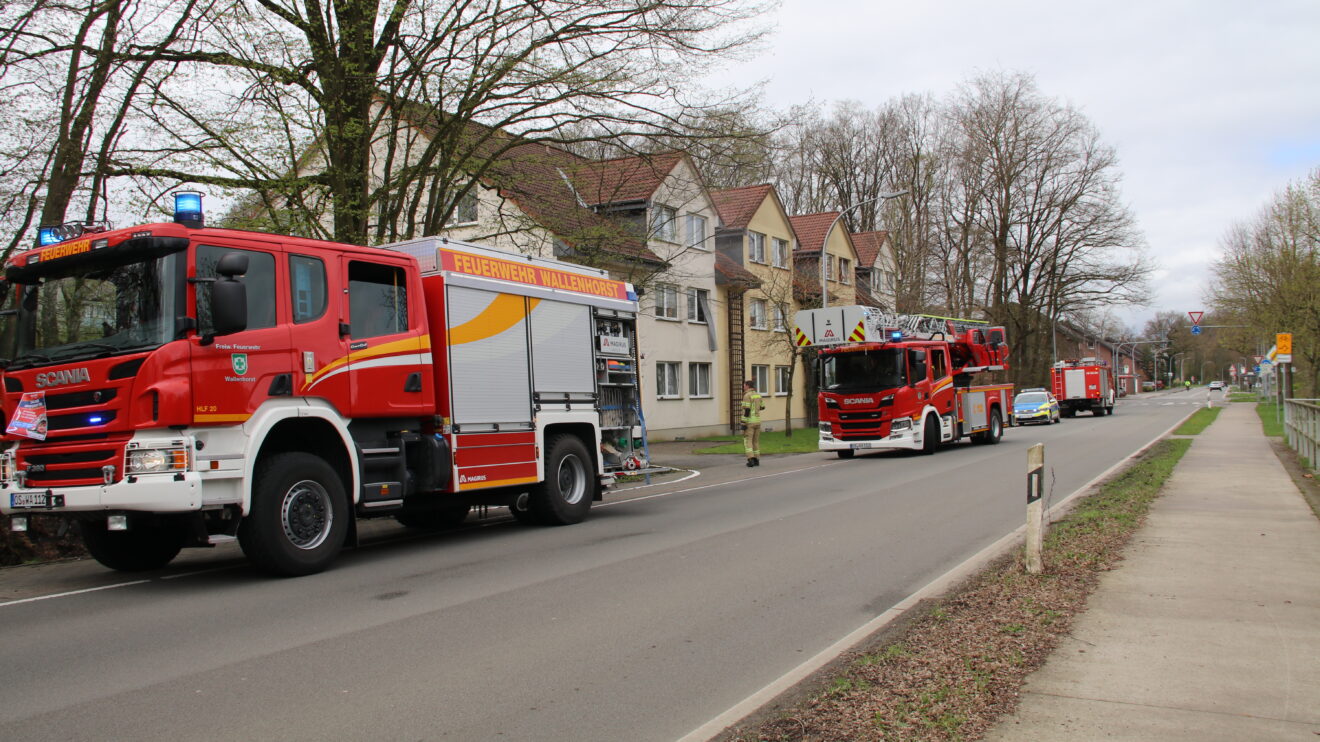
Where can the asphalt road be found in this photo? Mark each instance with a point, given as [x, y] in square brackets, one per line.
[668, 606]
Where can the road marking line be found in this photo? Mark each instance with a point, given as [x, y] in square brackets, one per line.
[73, 592]
[712, 484]
[935, 587]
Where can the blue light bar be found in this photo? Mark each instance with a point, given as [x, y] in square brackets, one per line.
[895, 335]
[48, 236]
[94, 420]
[188, 208]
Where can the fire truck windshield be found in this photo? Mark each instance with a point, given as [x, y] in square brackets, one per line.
[870, 370]
[89, 309]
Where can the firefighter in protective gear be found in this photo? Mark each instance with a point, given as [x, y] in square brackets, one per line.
[752, 404]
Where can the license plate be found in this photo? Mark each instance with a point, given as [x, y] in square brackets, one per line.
[35, 500]
[859, 445]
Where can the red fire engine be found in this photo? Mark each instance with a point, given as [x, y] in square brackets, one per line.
[174, 385]
[1085, 384]
[903, 381]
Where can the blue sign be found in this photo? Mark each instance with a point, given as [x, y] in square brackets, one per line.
[1196, 329]
[1256, 370]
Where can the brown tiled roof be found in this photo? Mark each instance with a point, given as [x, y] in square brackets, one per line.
[810, 229]
[729, 273]
[868, 246]
[625, 178]
[737, 206]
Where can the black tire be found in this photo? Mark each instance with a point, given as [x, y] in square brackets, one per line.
[145, 545]
[299, 515]
[930, 436]
[434, 518]
[1098, 411]
[996, 431]
[565, 496]
[845, 453]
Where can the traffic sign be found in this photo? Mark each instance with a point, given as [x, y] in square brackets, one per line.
[1196, 317]
[1196, 329]
[1283, 343]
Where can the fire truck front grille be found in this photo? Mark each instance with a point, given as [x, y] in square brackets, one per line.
[80, 420]
[80, 399]
[79, 466]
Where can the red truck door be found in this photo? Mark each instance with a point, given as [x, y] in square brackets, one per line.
[389, 358]
[941, 390]
[234, 374]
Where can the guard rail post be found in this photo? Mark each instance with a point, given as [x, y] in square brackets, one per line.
[1035, 508]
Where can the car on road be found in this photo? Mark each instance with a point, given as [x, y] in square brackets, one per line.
[1217, 385]
[1035, 406]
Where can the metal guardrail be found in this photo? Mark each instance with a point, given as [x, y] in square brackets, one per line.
[1301, 428]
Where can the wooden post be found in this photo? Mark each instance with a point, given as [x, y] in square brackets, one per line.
[1035, 507]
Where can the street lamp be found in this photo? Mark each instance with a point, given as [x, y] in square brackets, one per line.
[824, 256]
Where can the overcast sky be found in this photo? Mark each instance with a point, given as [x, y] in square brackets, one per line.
[1212, 106]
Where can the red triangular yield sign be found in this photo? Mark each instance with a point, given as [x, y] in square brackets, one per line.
[1196, 317]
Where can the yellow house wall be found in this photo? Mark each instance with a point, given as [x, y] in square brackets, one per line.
[770, 347]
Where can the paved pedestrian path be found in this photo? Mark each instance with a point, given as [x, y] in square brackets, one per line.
[1210, 627]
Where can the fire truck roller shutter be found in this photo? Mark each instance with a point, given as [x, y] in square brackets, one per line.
[490, 377]
[561, 348]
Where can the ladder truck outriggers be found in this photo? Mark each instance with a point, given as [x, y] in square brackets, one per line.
[174, 385]
[903, 381]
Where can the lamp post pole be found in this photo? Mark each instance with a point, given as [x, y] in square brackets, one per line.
[824, 256]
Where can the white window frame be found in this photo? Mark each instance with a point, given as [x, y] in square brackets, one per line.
[781, 380]
[666, 302]
[829, 267]
[667, 380]
[699, 380]
[756, 315]
[694, 305]
[780, 318]
[845, 267]
[695, 225]
[470, 201]
[779, 252]
[664, 223]
[756, 247]
[761, 375]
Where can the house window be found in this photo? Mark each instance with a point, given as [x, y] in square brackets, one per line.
[780, 320]
[845, 270]
[756, 247]
[761, 375]
[698, 379]
[465, 211]
[664, 223]
[780, 253]
[698, 305]
[666, 379]
[666, 301]
[829, 267]
[696, 232]
[756, 314]
[782, 381]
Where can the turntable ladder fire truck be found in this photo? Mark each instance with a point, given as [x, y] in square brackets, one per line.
[1084, 385]
[173, 385]
[903, 381]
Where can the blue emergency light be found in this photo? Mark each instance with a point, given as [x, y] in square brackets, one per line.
[188, 209]
[895, 335]
[48, 236]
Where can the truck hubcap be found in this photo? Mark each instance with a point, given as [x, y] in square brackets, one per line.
[572, 480]
[306, 515]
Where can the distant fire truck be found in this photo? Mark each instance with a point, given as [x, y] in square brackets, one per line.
[1085, 384]
[172, 385]
[903, 381]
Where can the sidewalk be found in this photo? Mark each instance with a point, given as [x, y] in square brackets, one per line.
[1210, 627]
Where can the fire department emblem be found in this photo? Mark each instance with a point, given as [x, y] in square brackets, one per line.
[239, 361]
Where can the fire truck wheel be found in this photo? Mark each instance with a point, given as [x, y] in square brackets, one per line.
[434, 518]
[930, 437]
[565, 496]
[143, 546]
[298, 518]
[846, 453]
[996, 430]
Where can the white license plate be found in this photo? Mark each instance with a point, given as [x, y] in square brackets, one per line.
[859, 445]
[35, 500]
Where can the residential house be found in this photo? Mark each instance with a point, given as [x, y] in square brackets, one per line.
[875, 270]
[840, 256]
[757, 235]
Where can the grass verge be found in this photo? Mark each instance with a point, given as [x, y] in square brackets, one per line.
[1271, 418]
[951, 673]
[1199, 421]
[1243, 397]
[802, 440]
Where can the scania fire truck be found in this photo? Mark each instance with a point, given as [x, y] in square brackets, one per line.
[903, 381]
[173, 385]
[1082, 385]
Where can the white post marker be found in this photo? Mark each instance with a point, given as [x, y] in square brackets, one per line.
[1035, 508]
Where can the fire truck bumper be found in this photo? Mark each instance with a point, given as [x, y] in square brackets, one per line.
[156, 493]
[902, 438]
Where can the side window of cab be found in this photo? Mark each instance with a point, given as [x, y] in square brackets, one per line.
[939, 368]
[377, 299]
[260, 281]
